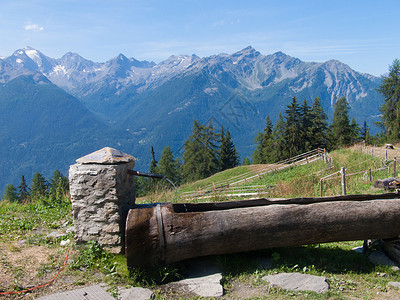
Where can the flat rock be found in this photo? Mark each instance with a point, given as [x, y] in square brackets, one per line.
[94, 292]
[106, 156]
[55, 234]
[205, 286]
[394, 284]
[298, 282]
[135, 293]
[380, 258]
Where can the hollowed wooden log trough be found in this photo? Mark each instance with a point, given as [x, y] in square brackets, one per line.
[165, 233]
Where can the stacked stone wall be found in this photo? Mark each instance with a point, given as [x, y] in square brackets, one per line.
[101, 196]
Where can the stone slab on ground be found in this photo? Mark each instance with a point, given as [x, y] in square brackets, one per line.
[135, 293]
[380, 258]
[205, 286]
[93, 292]
[298, 282]
[394, 284]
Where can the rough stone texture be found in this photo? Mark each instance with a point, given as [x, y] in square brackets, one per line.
[101, 196]
[298, 282]
[380, 258]
[106, 155]
[205, 286]
[94, 292]
[135, 293]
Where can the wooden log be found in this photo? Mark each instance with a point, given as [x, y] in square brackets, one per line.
[387, 183]
[166, 233]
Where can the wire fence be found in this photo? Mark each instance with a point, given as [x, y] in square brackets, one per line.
[236, 186]
[386, 157]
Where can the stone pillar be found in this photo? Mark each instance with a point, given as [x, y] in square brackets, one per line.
[102, 192]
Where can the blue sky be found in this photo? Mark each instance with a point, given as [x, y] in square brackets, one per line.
[363, 34]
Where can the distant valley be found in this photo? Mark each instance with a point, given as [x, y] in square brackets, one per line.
[56, 110]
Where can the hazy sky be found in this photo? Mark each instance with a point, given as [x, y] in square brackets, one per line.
[363, 34]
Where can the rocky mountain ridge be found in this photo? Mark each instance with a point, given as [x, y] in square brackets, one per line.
[135, 104]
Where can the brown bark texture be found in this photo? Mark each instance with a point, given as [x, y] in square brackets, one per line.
[166, 233]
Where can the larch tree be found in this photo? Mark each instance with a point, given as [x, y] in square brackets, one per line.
[169, 166]
[342, 131]
[200, 157]
[11, 193]
[39, 186]
[319, 125]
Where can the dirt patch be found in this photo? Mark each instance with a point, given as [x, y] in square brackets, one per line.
[24, 267]
[241, 290]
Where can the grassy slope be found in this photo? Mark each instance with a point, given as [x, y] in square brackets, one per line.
[350, 275]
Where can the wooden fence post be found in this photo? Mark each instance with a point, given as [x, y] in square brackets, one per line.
[386, 155]
[343, 172]
[370, 175]
[320, 186]
[394, 167]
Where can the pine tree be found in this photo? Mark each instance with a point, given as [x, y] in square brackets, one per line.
[342, 132]
[200, 154]
[22, 193]
[228, 156]
[390, 89]
[10, 193]
[169, 166]
[264, 151]
[39, 185]
[246, 161]
[293, 129]
[306, 125]
[278, 135]
[58, 186]
[319, 126]
[58, 181]
[365, 134]
[258, 152]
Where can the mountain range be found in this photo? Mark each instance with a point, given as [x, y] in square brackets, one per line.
[56, 110]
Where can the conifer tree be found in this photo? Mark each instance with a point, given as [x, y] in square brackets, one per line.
[278, 135]
[246, 161]
[264, 152]
[293, 129]
[342, 131]
[306, 125]
[58, 182]
[390, 89]
[365, 134]
[58, 186]
[228, 156]
[22, 193]
[38, 186]
[10, 193]
[200, 154]
[169, 166]
[319, 126]
[355, 131]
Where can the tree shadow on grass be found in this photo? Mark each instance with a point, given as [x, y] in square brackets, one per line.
[291, 259]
